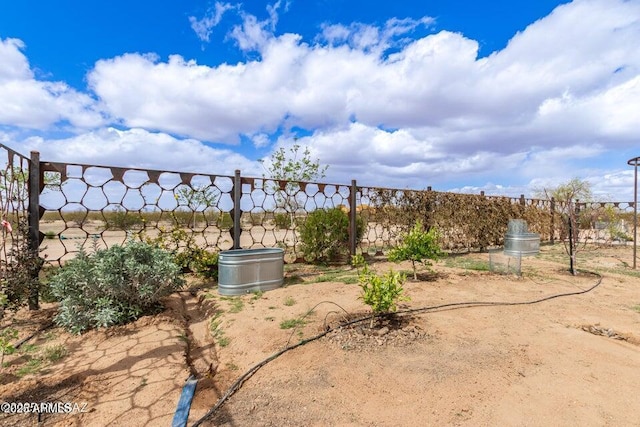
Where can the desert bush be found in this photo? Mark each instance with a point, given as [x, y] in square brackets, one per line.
[417, 246]
[19, 270]
[120, 219]
[283, 221]
[381, 293]
[325, 234]
[185, 252]
[199, 261]
[113, 286]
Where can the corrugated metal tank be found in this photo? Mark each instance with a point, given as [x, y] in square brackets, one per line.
[241, 271]
[518, 241]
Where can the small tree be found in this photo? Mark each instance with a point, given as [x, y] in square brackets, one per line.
[381, 293]
[198, 198]
[566, 196]
[293, 166]
[417, 246]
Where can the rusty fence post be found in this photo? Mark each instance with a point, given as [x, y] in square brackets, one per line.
[236, 213]
[33, 219]
[552, 208]
[353, 226]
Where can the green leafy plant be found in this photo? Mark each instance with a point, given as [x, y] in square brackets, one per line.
[19, 271]
[217, 332]
[7, 335]
[283, 221]
[236, 305]
[186, 254]
[293, 166]
[113, 286]
[325, 235]
[289, 301]
[381, 293]
[418, 246]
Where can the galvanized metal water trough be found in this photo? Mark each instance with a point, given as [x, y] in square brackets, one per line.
[241, 271]
[518, 241]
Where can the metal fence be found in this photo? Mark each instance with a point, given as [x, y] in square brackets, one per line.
[73, 206]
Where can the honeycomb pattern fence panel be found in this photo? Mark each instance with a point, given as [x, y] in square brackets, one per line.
[464, 221]
[603, 223]
[273, 211]
[94, 207]
[381, 213]
[14, 204]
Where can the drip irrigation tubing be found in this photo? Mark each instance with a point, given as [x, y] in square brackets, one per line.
[248, 374]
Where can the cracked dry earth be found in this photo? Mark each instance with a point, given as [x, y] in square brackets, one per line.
[572, 360]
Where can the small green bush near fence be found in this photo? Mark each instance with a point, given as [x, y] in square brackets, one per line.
[325, 235]
[113, 286]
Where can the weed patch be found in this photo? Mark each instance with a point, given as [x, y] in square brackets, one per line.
[291, 323]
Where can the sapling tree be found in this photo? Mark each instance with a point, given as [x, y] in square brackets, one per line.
[381, 293]
[197, 198]
[418, 246]
[566, 196]
[292, 165]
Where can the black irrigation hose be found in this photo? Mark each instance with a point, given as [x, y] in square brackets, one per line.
[503, 303]
[46, 326]
[238, 383]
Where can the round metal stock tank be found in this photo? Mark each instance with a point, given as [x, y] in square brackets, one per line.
[242, 271]
[518, 241]
[525, 244]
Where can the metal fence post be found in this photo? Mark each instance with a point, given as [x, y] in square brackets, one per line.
[552, 208]
[353, 226]
[33, 219]
[634, 162]
[236, 213]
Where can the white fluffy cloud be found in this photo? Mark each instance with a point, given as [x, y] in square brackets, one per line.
[375, 104]
[30, 103]
[203, 26]
[568, 66]
[139, 148]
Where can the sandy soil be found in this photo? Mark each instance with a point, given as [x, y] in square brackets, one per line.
[571, 360]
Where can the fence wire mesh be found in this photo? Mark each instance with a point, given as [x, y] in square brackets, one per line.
[91, 206]
[14, 203]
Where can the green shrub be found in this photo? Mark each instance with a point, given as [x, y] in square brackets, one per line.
[381, 293]
[417, 246]
[325, 234]
[283, 221]
[113, 286]
[19, 271]
[6, 347]
[120, 219]
[186, 254]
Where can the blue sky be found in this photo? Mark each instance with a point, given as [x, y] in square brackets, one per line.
[502, 96]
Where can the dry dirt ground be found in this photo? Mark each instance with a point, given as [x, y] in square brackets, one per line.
[573, 360]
